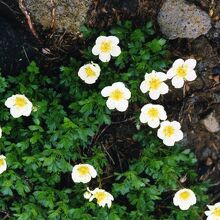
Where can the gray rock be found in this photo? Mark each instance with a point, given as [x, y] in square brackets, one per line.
[217, 24]
[211, 123]
[69, 14]
[177, 19]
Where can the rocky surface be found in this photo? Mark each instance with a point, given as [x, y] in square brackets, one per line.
[60, 15]
[177, 19]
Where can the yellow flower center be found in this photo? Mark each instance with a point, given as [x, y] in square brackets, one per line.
[116, 95]
[90, 72]
[1, 162]
[155, 83]
[83, 170]
[168, 131]
[106, 46]
[100, 196]
[184, 195]
[181, 71]
[20, 102]
[216, 212]
[153, 113]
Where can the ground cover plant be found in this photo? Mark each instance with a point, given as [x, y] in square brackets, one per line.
[70, 124]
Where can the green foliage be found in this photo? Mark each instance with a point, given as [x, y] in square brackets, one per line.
[66, 128]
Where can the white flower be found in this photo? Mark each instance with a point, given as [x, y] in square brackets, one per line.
[170, 132]
[103, 198]
[19, 105]
[154, 83]
[181, 71]
[118, 96]
[3, 165]
[87, 194]
[106, 47]
[152, 114]
[0, 132]
[214, 212]
[89, 73]
[184, 198]
[83, 173]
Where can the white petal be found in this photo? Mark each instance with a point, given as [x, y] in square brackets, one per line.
[106, 91]
[127, 93]
[143, 117]
[111, 197]
[171, 73]
[96, 66]
[81, 73]
[176, 200]
[211, 207]
[144, 87]
[90, 80]
[102, 204]
[193, 199]
[184, 206]
[100, 39]
[114, 39]
[168, 142]
[27, 110]
[211, 217]
[104, 57]
[164, 88]
[109, 203]
[154, 94]
[146, 107]
[164, 123]
[122, 105]
[116, 50]
[217, 205]
[162, 76]
[162, 114]
[87, 195]
[146, 76]
[85, 178]
[15, 112]
[176, 124]
[92, 171]
[75, 177]
[110, 103]
[191, 75]
[2, 156]
[160, 133]
[95, 50]
[154, 123]
[153, 73]
[91, 198]
[118, 85]
[177, 82]
[178, 62]
[207, 213]
[10, 102]
[179, 135]
[3, 167]
[191, 63]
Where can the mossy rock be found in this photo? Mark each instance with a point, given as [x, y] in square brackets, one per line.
[63, 15]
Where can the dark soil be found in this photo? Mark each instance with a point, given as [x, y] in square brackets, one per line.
[193, 105]
[17, 44]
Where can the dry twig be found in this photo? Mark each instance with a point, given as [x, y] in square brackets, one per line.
[25, 12]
